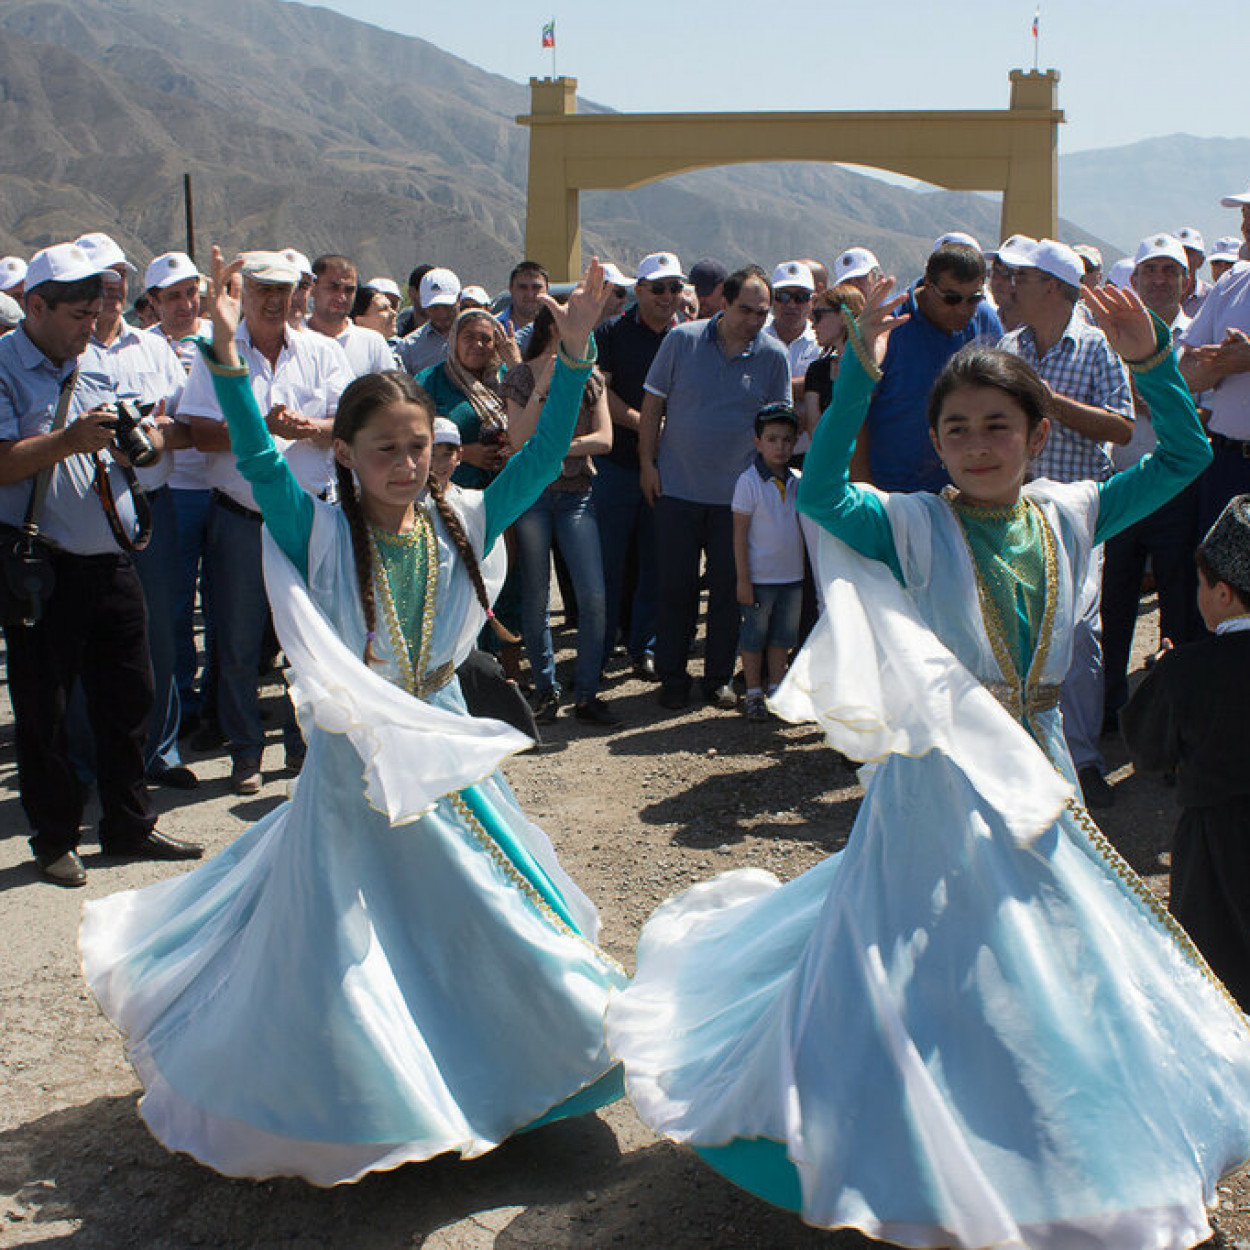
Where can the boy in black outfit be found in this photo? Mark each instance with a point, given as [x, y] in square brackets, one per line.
[1190, 714]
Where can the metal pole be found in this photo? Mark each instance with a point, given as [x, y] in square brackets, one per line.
[190, 214]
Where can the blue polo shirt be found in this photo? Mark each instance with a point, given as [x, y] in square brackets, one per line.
[710, 402]
[899, 451]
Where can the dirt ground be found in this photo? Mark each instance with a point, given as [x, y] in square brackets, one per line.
[637, 814]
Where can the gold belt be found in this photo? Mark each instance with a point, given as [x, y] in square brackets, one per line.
[1042, 697]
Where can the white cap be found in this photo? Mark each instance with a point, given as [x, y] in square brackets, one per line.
[1190, 238]
[385, 285]
[1122, 273]
[1236, 201]
[299, 260]
[612, 276]
[1012, 248]
[62, 262]
[446, 431]
[475, 295]
[12, 272]
[1053, 258]
[956, 236]
[10, 312]
[793, 273]
[270, 268]
[1161, 247]
[1227, 248]
[439, 286]
[658, 266]
[103, 250]
[168, 268]
[1088, 252]
[855, 262]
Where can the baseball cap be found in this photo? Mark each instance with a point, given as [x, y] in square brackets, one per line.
[855, 262]
[1012, 248]
[1161, 247]
[168, 268]
[659, 265]
[1122, 273]
[475, 295]
[446, 431]
[299, 260]
[1236, 201]
[385, 285]
[793, 273]
[12, 272]
[103, 250]
[439, 286]
[1191, 239]
[956, 236]
[10, 312]
[1051, 257]
[1227, 248]
[1088, 253]
[270, 268]
[62, 262]
[706, 275]
[614, 277]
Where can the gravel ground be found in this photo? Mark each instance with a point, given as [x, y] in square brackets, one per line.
[637, 815]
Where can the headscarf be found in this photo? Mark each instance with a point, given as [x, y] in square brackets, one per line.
[486, 404]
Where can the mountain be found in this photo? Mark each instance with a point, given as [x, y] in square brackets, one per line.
[304, 128]
[1126, 193]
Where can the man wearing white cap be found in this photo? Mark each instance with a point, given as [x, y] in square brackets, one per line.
[1166, 537]
[1196, 252]
[297, 380]
[1091, 408]
[440, 302]
[999, 282]
[857, 266]
[10, 313]
[297, 314]
[142, 367]
[793, 289]
[1224, 255]
[91, 627]
[12, 277]
[333, 293]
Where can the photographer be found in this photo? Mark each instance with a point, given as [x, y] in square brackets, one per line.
[92, 625]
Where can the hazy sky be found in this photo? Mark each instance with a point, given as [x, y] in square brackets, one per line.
[1131, 69]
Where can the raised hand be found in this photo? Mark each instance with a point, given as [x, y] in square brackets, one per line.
[877, 320]
[227, 306]
[1123, 318]
[577, 319]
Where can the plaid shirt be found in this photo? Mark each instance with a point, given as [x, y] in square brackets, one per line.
[1080, 366]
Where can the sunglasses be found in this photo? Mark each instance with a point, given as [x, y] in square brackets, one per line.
[659, 288]
[792, 297]
[619, 292]
[952, 299]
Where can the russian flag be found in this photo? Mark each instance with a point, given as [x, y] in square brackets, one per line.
[1037, 13]
[549, 35]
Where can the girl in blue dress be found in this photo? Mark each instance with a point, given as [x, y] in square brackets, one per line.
[974, 1026]
[392, 964]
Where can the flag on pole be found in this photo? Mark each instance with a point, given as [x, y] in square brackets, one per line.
[549, 35]
[1037, 21]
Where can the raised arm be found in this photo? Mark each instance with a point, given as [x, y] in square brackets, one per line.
[1182, 450]
[285, 505]
[826, 493]
[537, 464]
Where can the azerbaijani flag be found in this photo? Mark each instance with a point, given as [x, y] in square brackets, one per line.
[549, 35]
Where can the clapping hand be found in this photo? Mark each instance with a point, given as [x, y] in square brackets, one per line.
[877, 320]
[1123, 318]
[577, 319]
[227, 306]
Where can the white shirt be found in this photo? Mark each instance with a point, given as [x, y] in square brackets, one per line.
[802, 350]
[366, 350]
[189, 465]
[311, 373]
[1226, 307]
[774, 541]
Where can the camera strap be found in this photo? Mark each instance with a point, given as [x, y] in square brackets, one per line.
[44, 477]
[143, 509]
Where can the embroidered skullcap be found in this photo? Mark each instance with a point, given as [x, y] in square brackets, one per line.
[1226, 548]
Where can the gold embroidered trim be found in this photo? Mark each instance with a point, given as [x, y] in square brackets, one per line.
[521, 882]
[422, 532]
[871, 368]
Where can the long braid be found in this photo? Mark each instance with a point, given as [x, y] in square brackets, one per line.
[454, 527]
[350, 503]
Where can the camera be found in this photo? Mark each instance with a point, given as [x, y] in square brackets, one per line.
[130, 436]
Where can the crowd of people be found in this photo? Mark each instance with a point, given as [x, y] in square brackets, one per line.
[940, 506]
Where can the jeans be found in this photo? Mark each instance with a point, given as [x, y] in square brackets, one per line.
[192, 510]
[624, 515]
[568, 517]
[773, 619]
[685, 531]
[157, 566]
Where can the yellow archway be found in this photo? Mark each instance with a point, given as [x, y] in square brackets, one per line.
[1012, 150]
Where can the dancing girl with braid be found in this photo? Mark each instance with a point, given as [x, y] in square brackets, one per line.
[392, 964]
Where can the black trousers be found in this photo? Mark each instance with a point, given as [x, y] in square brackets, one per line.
[93, 630]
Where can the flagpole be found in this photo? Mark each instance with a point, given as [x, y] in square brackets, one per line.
[553, 49]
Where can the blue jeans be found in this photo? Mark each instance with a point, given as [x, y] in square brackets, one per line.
[192, 510]
[623, 516]
[773, 619]
[157, 566]
[568, 517]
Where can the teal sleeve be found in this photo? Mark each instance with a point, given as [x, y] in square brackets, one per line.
[537, 464]
[1180, 455]
[283, 502]
[826, 492]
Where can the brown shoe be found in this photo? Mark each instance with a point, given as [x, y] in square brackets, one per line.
[66, 870]
[245, 777]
